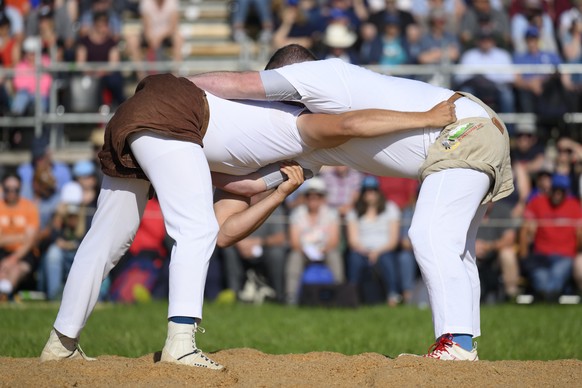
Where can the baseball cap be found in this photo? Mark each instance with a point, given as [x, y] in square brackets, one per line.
[527, 128]
[532, 32]
[83, 168]
[315, 185]
[391, 19]
[560, 182]
[370, 182]
[485, 33]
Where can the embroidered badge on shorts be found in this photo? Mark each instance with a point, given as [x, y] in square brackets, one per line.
[456, 135]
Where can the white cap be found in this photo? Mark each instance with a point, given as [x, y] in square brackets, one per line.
[31, 44]
[72, 193]
[314, 184]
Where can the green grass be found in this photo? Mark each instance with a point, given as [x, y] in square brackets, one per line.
[536, 332]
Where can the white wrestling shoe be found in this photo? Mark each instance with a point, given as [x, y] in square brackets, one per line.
[60, 347]
[180, 347]
[448, 350]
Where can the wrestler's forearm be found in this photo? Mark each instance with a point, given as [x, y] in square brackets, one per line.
[246, 186]
[238, 226]
[231, 85]
[325, 131]
[374, 122]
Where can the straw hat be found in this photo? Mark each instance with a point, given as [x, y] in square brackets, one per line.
[339, 36]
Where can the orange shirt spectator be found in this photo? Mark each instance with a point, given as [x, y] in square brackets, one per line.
[19, 224]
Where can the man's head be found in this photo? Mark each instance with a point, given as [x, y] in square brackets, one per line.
[288, 55]
[560, 187]
[314, 193]
[11, 184]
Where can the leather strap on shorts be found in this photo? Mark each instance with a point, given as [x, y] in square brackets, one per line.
[455, 97]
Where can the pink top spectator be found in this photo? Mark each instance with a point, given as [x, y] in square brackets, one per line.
[25, 77]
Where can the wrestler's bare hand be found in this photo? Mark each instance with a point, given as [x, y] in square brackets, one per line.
[442, 114]
[295, 177]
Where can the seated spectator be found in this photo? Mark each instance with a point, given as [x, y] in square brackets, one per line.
[101, 6]
[527, 149]
[437, 45]
[161, 30]
[16, 20]
[480, 16]
[572, 50]
[46, 199]
[300, 23]
[373, 235]
[25, 80]
[568, 21]
[493, 87]
[394, 46]
[546, 94]
[9, 56]
[85, 173]
[99, 45]
[542, 184]
[569, 162]
[314, 237]
[452, 9]
[350, 13]
[264, 253]
[533, 15]
[342, 186]
[42, 156]
[370, 45]
[553, 223]
[68, 227]
[19, 222]
[409, 29]
[241, 13]
[496, 253]
[53, 23]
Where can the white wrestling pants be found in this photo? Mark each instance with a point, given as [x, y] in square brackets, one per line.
[443, 233]
[179, 172]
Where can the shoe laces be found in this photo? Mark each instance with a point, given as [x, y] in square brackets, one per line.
[196, 349]
[198, 329]
[442, 344]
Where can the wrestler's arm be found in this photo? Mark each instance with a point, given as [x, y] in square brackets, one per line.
[237, 218]
[231, 85]
[246, 186]
[328, 131]
[266, 178]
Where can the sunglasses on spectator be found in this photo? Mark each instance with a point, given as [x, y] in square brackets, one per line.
[564, 150]
[8, 189]
[314, 194]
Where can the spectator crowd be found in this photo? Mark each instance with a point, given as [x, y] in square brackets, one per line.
[351, 225]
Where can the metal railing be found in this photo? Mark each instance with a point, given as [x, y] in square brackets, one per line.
[57, 114]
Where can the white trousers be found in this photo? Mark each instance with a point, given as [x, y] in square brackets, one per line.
[443, 233]
[179, 172]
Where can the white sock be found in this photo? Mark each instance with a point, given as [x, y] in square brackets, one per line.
[5, 286]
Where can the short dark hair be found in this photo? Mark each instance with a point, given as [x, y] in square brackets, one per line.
[11, 174]
[287, 55]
